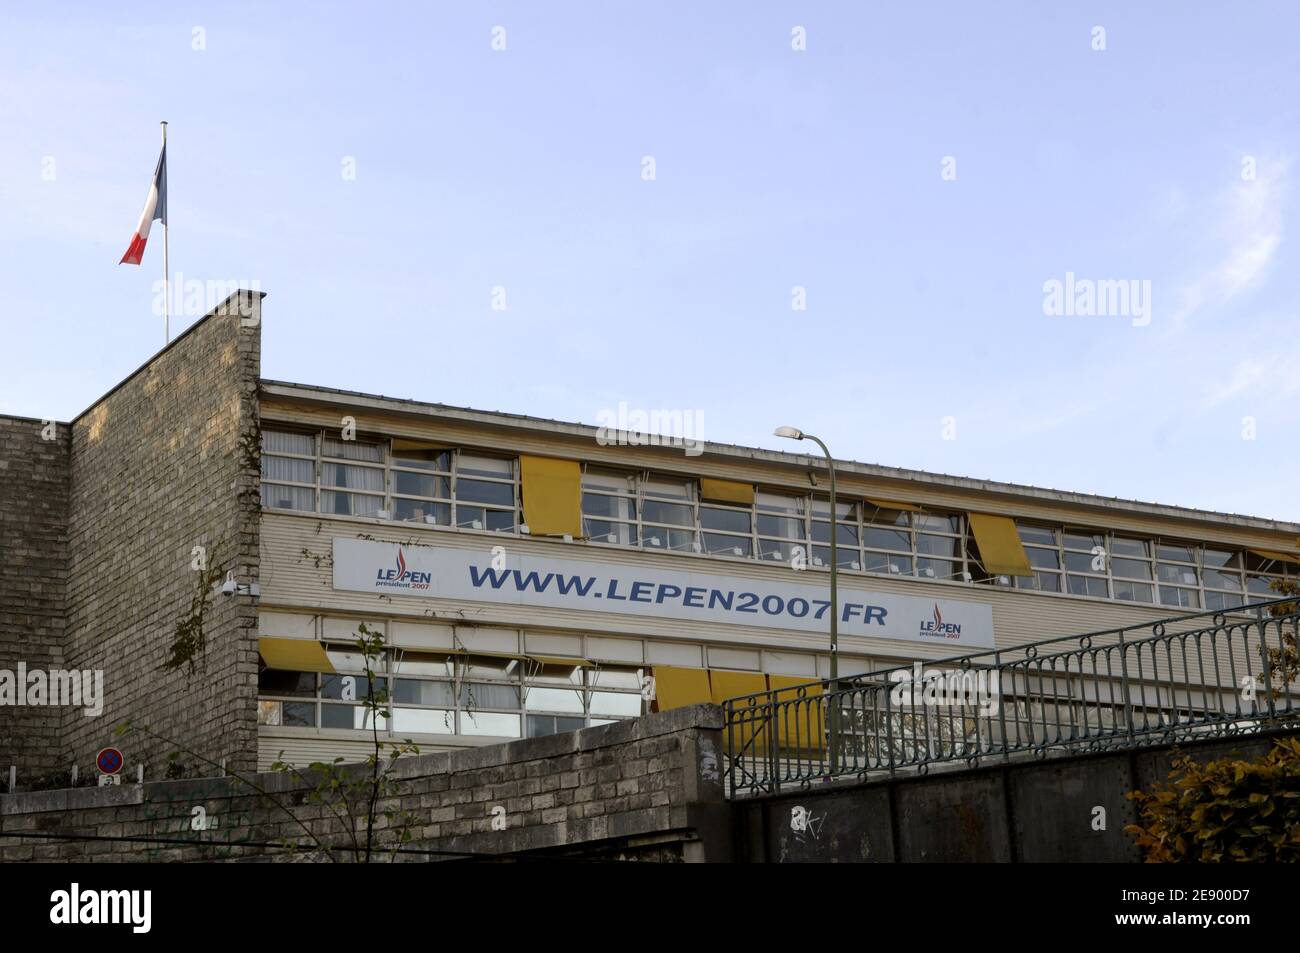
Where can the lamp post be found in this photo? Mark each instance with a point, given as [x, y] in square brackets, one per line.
[794, 433]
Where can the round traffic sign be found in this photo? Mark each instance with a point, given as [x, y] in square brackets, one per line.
[109, 761]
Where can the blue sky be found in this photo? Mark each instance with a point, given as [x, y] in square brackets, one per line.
[774, 168]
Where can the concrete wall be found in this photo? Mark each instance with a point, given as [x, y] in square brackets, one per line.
[35, 476]
[648, 789]
[1035, 811]
[159, 467]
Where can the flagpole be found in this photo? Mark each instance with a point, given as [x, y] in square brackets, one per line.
[167, 281]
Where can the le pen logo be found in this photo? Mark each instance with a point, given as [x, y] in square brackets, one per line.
[77, 906]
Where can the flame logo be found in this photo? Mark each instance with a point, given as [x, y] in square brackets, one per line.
[938, 616]
[401, 565]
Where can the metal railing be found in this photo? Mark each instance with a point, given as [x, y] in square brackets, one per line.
[1201, 675]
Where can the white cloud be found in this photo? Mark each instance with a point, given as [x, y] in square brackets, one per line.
[1251, 229]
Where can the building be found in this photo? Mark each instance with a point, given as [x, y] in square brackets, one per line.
[529, 576]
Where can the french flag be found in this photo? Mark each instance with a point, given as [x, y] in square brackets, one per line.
[155, 207]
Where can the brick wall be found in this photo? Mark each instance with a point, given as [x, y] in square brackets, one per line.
[647, 789]
[158, 468]
[34, 480]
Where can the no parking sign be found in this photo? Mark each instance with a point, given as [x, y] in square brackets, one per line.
[109, 761]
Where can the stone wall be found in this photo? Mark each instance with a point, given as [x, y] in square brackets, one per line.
[647, 789]
[159, 466]
[34, 482]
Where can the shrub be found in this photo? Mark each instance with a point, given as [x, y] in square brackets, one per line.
[1225, 810]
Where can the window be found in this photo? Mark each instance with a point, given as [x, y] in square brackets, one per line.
[887, 541]
[668, 514]
[288, 471]
[421, 485]
[727, 530]
[363, 472]
[1086, 568]
[1130, 569]
[938, 545]
[780, 526]
[485, 494]
[1221, 575]
[609, 506]
[848, 535]
[1043, 547]
[1177, 574]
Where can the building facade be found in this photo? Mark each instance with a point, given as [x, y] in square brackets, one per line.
[528, 576]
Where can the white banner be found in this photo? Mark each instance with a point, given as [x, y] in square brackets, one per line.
[525, 580]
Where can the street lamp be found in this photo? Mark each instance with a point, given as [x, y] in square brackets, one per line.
[794, 433]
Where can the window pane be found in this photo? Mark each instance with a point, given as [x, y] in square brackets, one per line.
[1183, 598]
[419, 484]
[1037, 534]
[1130, 568]
[269, 713]
[555, 699]
[610, 481]
[1183, 575]
[715, 544]
[613, 507]
[653, 511]
[1222, 600]
[348, 716]
[602, 532]
[428, 721]
[351, 450]
[1133, 591]
[670, 489]
[844, 511]
[489, 723]
[276, 441]
[845, 534]
[500, 521]
[1078, 539]
[422, 663]
[352, 477]
[298, 714]
[887, 562]
[936, 545]
[1222, 580]
[439, 460]
[787, 527]
[936, 523]
[1222, 559]
[1043, 558]
[289, 469]
[936, 568]
[479, 491]
[349, 687]
[542, 725]
[474, 695]
[486, 466]
[350, 504]
[848, 558]
[485, 666]
[1082, 562]
[414, 691]
[288, 497]
[1086, 585]
[729, 521]
[420, 511]
[885, 517]
[276, 682]
[615, 703]
[1130, 547]
[888, 539]
[1177, 553]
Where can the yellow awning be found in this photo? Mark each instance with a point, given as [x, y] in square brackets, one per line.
[1000, 548]
[726, 685]
[552, 491]
[295, 655]
[679, 687]
[800, 723]
[726, 491]
[894, 505]
[1273, 554]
